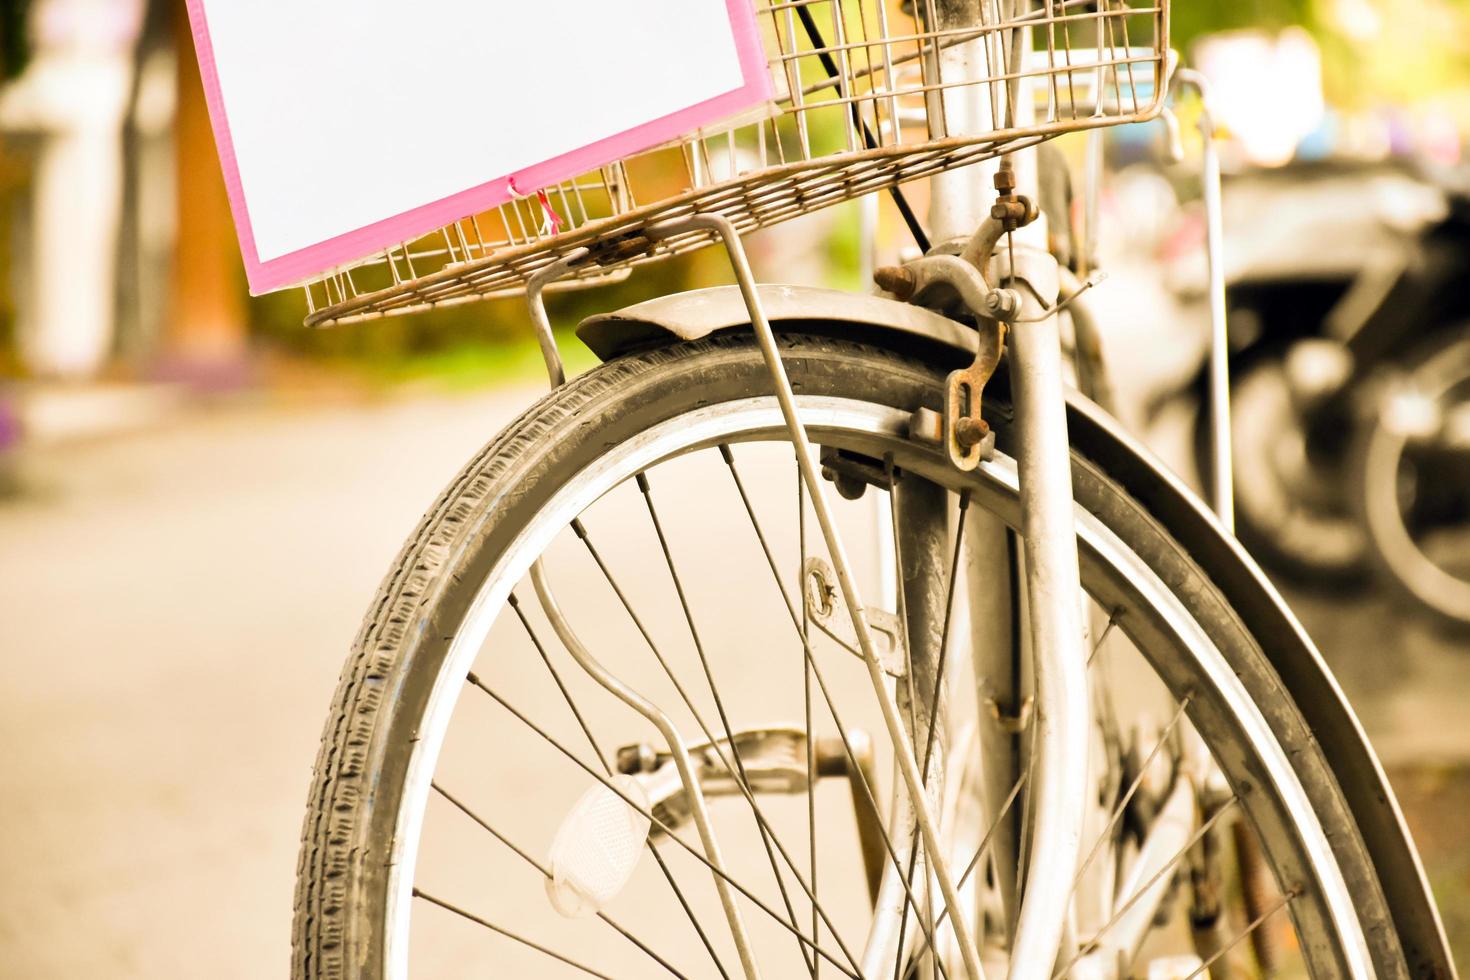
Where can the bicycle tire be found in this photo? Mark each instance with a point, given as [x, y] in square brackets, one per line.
[385, 685]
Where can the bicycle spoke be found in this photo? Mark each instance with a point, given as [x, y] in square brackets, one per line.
[655, 820]
[1108, 628]
[663, 867]
[944, 629]
[994, 825]
[984, 845]
[581, 531]
[908, 657]
[1255, 924]
[602, 760]
[546, 873]
[806, 702]
[1023, 854]
[742, 778]
[901, 599]
[736, 771]
[1105, 711]
[1127, 797]
[954, 568]
[1143, 889]
[451, 907]
[820, 679]
[515, 604]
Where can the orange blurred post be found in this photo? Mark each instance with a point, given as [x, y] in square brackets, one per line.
[208, 317]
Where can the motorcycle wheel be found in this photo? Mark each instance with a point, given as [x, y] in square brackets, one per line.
[1411, 476]
[1292, 509]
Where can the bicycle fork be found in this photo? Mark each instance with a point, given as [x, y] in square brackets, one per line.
[1062, 708]
[1054, 591]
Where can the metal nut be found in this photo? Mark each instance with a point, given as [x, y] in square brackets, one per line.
[1002, 303]
[633, 759]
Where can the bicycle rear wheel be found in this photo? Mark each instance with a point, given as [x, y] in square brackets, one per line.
[661, 495]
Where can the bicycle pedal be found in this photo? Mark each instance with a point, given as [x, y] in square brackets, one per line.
[596, 848]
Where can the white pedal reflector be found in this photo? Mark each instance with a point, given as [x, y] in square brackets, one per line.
[1174, 967]
[596, 848]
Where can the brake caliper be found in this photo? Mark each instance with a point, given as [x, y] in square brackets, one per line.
[960, 283]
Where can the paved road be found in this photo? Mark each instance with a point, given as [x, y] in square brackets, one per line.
[174, 606]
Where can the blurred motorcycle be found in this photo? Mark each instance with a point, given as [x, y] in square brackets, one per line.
[1349, 330]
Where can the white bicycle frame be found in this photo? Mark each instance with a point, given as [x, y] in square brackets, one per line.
[959, 203]
[1060, 706]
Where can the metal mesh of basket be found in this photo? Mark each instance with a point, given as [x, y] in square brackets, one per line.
[869, 93]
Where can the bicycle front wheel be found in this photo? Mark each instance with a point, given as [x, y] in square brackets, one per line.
[480, 799]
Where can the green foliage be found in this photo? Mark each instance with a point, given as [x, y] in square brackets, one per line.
[1189, 21]
[13, 37]
[844, 249]
[469, 344]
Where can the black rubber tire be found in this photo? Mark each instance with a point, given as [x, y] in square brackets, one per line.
[385, 684]
[1297, 538]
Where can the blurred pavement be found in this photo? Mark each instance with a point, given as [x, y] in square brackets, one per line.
[174, 609]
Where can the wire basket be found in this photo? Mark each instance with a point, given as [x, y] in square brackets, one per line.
[869, 94]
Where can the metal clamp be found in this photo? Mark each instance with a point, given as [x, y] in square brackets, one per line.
[824, 605]
[965, 281]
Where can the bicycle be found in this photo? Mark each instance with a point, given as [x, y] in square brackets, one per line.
[1077, 735]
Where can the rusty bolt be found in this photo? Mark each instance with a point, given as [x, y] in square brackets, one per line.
[1005, 180]
[895, 279]
[969, 432]
[637, 758]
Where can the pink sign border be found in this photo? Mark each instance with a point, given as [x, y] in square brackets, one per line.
[302, 265]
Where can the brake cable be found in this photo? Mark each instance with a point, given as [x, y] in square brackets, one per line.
[869, 140]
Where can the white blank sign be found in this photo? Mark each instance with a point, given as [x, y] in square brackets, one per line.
[346, 126]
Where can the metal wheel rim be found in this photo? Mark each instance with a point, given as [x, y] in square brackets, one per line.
[850, 422]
